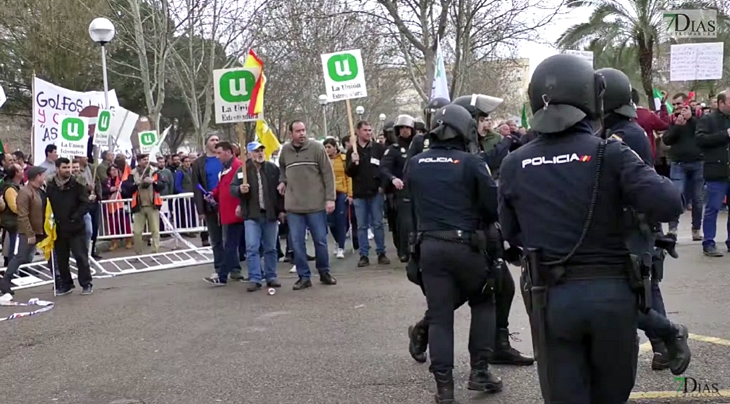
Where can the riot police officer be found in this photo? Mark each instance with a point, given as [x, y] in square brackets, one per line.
[420, 126]
[392, 165]
[480, 106]
[561, 197]
[621, 114]
[668, 340]
[433, 106]
[454, 196]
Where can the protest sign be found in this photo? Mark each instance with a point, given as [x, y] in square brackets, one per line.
[696, 61]
[344, 75]
[585, 55]
[52, 103]
[233, 91]
[74, 137]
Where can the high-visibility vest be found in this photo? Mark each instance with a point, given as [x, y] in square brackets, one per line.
[156, 200]
[113, 207]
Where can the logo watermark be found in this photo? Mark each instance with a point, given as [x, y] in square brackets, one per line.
[691, 23]
[690, 386]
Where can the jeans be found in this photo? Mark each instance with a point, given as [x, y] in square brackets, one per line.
[231, 239]
[716, 193]
[25, 253]
[89, 227]
[65, 246]
[369, 214]
[317, 224]
[591, 341]
[261, 234]
[688, 177]
[337, 220]
[215, 236]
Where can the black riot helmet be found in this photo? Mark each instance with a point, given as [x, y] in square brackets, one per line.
[454, 122]
[433, 106]
[388, 126]
[617, 98]
[404, 121]
[564, 89]
[420, 125]
[478, 104]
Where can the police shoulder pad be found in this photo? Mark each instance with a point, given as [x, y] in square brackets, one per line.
[386, 151]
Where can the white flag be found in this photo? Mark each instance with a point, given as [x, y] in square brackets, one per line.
[3, 98]
[440, 87]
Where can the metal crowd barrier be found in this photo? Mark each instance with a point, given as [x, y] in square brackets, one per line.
[177, 216]
[117, 222]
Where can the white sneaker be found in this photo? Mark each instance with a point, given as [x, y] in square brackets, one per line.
[293, 270]
[370, 235]
[6, 297]
[341, 253]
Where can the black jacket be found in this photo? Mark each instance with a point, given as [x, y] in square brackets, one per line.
[273, 201]
[683, 142]
[199, 177]
[714, 141]
[70, 202]
[366, 176]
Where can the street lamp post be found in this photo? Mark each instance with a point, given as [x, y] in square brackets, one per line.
[359, 111]
[323, 100]
[102, 31]
[382, 117]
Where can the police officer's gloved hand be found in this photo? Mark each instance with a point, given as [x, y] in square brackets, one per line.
[513, 255]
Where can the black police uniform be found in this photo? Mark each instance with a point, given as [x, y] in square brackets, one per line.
[562, 196]
[419, 144]
[668, 341]
[392, 166]
[454, 197]
[545, 191]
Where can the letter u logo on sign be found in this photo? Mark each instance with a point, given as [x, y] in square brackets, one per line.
[73, 129]
[342, 67]
[235, 86]
[105, 119]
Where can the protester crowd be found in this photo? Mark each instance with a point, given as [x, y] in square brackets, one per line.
[251, 206]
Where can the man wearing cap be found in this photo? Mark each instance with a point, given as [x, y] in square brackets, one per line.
[260, 205]
[31, 203]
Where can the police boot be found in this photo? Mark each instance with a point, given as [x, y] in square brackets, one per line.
[679, 352]
[444, 388]
[481, 379]
[661, 355]
[418, 341]
[504, 354]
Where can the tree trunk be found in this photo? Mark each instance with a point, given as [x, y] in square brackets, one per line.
[646, 60]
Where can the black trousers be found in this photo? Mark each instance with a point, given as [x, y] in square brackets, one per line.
[391, 214]
[504, 297]
[404, 222]
[453, 273]
[94, 212]
[75, 244]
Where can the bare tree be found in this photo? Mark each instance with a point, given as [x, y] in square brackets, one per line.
[291, 43]
[217, 36]
[149, 29]
[490, 30]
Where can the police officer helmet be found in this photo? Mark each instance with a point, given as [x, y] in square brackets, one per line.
[564, 89]
[420, 125]
[617, 97]
[404, 120]
[388, 126]
[437, 103]
[453, 121]
[478, 104]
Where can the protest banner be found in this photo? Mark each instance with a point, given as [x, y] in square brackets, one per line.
[52, 103]
[74, 137]
[233, 90]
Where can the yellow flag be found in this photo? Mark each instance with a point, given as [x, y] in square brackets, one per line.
[49, 226]
[267, 138]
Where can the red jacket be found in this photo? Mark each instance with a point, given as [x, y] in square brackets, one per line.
[227, 203]
[650, 122]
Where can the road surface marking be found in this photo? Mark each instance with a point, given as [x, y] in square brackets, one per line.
[644, 395]
[646, 346]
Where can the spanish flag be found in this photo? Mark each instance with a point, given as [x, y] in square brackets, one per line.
[256, 106]
[266, 137]
[49, 226]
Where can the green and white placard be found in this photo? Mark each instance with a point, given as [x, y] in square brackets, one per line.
[233, 91]
[103, 128]
[344, 75]
[74, 136]
[147, 141]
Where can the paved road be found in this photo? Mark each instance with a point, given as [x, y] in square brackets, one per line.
[167, 337]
